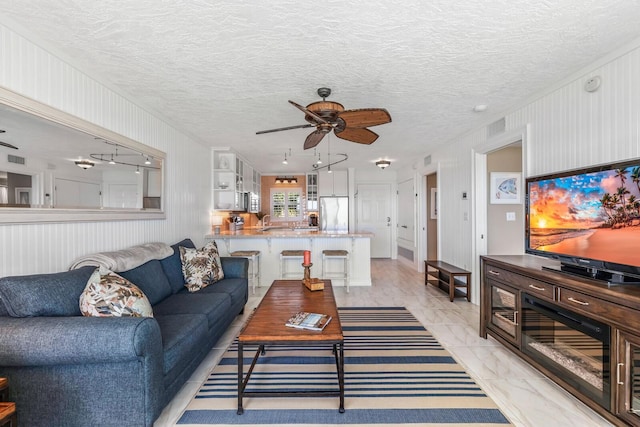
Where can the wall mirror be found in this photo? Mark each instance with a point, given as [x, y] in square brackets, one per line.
[55, 167]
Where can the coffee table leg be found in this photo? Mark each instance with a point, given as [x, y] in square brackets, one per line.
[338, 352]
[240, 379]
[341, 379]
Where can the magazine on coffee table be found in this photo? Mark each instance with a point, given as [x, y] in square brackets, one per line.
[311, 321]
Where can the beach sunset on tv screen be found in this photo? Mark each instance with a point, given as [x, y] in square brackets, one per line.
[590, 215]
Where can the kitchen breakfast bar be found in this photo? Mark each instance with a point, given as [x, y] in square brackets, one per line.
[272, 241]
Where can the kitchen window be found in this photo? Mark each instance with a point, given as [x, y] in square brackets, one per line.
[286, 204]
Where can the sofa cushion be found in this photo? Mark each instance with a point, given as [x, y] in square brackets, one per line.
[54, 294]
[172, 266]
[237, 289]
[201, 267]
[213, 306]
[150, 278]
[110, 295]
[183, 335]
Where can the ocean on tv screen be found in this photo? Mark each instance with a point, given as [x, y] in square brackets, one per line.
[593, 215]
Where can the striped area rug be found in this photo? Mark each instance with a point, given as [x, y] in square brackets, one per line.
[395, 373]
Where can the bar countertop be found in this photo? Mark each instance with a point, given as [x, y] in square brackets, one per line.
[284, 232]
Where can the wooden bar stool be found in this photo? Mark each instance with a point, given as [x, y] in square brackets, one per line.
[291, 255]
[336, 254]
[254, 261]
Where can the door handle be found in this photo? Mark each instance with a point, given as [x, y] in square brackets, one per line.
[404, 226]
[388, 219]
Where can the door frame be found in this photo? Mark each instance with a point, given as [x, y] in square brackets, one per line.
[421, 190]
[480, 203]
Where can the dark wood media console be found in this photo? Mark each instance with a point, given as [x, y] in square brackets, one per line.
[583, 334]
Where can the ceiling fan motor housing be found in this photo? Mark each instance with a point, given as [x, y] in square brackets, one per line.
[326, 109]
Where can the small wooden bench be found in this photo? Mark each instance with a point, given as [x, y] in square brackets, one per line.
[444, 277]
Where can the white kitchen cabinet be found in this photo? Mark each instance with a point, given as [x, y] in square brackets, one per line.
[224, 180]
[312, 191]
[232, 177]
[333, 184]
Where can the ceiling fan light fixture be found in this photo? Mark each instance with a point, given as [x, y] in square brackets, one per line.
[84, 164]
[382, 164]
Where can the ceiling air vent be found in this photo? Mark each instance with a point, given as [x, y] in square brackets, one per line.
[496, 127]
[15, 159]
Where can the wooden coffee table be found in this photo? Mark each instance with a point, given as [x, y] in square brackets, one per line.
[267, 327]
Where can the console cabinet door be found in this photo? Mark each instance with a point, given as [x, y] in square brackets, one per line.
[627, 377]
[504, 311]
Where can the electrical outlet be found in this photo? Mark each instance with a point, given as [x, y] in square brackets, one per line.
[511, 216]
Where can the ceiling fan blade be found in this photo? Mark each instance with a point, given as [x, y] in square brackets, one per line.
[308, 125]
[365, 117]
[314, 139]
[6, 144]
[359, 135]
[309, 112]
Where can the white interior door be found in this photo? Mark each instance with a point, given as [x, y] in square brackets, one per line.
[374, 215]
[123, 196]
[76, 194]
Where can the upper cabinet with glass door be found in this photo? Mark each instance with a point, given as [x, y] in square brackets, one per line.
[312, 191]
[224, 180]
[232, 179]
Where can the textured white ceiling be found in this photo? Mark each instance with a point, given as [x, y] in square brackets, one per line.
[222, 70]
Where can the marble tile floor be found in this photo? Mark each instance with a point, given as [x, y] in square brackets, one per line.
[524, 395]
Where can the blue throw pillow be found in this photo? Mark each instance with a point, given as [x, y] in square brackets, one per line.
[172, 266]
[54, 294]
[151, 279]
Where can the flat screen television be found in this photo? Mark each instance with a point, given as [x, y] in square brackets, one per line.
[589, 220]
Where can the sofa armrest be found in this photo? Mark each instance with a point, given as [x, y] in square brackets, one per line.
[235, 267]
[41, 341]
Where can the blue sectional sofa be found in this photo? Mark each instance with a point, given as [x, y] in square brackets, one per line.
[68, 370]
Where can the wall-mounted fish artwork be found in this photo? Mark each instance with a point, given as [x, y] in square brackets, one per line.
[505, 187]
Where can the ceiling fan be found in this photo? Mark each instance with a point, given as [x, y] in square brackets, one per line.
[326, 116]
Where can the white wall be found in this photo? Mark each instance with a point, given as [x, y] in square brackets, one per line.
[568, 128]
[34, 72]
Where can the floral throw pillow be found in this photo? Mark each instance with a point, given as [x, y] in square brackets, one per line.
[201, 267]
[110, 295]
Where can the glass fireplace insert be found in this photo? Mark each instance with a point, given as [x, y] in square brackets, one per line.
[572, 346]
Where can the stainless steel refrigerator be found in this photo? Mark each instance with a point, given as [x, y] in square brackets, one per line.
[334, 213]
